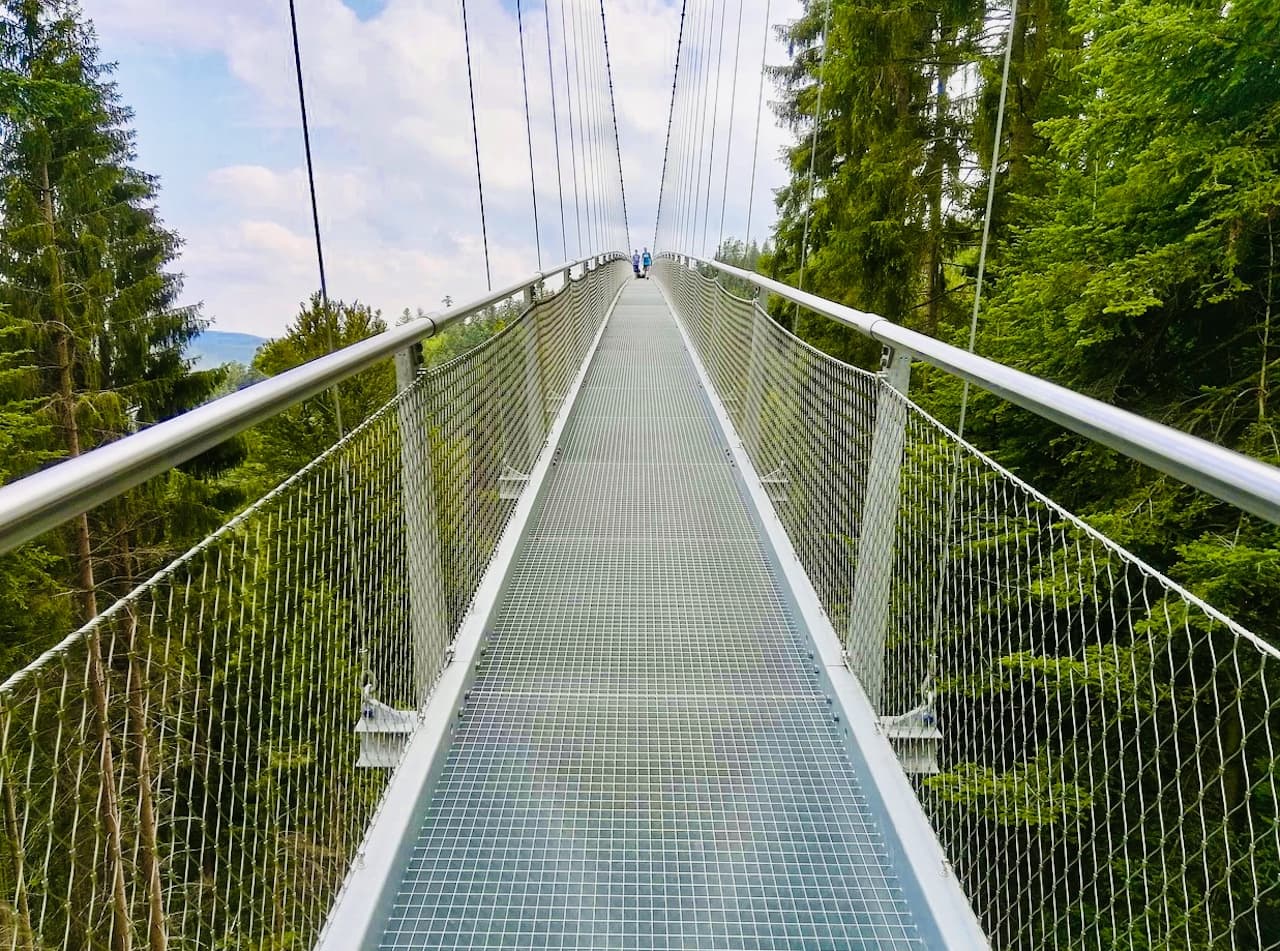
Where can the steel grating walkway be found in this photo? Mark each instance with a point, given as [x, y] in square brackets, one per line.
[645, 759]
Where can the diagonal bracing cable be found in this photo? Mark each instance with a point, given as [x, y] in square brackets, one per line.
[475, 138]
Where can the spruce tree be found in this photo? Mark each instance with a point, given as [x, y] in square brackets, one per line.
[83, 262]
[99, 338]
[886, 169]
[294, 437]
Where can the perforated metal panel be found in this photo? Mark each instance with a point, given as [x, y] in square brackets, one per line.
[645, 759]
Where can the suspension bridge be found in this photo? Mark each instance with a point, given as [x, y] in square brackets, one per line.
[644, 624]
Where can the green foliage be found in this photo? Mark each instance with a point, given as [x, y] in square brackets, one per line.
[33, 601]
[1133, 257]
[289, 440]
[92, 347]
[1031, 794]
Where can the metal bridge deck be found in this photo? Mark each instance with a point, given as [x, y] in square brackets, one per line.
[646, 759]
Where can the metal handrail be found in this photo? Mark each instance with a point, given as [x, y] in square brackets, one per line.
[1244, 482]
[40, 502]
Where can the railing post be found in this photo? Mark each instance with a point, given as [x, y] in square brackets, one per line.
[428, 613]
[872, 586]
[536, 409]
[755, 387]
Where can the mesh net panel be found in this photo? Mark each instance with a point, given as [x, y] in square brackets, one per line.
[183, 771]
[1095, 746]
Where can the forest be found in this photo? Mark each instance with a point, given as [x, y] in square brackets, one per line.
[1124, 774]
[1132, 250]
[94, 342]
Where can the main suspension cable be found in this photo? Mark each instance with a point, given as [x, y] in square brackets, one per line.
[613, 109]
[555, 125]
[528, 131]
[671, 114]
[475, 138]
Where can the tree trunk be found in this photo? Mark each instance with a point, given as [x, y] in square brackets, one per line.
[157, 938]
[935, 181]
[1266, 323]
[109, 805]
[24, 935]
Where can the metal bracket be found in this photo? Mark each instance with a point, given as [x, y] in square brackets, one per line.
[775, 484]
[915, 737]
[511, 483]
[384, 731]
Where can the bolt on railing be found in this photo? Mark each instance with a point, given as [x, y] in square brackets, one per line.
[195, 768]
[1097, 748]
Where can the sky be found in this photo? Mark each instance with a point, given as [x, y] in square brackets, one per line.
[214, 96]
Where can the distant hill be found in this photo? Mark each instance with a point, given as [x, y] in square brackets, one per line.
[213, 348]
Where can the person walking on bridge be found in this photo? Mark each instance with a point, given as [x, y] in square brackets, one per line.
[646, 262]
[635, 262]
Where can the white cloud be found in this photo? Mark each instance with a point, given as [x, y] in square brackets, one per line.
[393, 142]
[347, 192]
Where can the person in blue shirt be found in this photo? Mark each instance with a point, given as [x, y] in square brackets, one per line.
[635, 262]
[646, 262]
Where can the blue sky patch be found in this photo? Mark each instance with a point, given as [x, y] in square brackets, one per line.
[365, 9]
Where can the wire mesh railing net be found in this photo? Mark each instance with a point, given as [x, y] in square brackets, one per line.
[196, 767]
[1095, 747]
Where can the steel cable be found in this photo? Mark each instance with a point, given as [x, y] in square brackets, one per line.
[728, 152]
[475, 138]
[701, 127]
[671, 114]
[813, 145]
[315, 208]
[991, 197]
[715, 128]
[755, 148]
[528, 131]
[617, 143]
[573, 147]
[555, 125]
